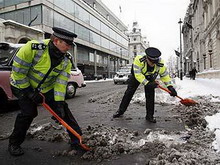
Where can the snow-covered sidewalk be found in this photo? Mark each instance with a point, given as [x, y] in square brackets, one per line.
[209, 88]
[198, 87]
[186, 88]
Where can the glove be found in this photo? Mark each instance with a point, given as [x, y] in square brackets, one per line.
[172, 90]
[35, 96]
[60, 109]
[152, 84]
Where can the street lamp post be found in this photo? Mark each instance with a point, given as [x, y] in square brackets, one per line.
[121, 56]
[181, 62]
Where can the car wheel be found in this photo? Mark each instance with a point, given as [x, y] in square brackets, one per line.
[115, 82]
[71, 90]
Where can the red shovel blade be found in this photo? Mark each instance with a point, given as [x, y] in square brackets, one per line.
[188, 102]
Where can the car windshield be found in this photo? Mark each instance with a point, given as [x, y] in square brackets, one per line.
[6, 53]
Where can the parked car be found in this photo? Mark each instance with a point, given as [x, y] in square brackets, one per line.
[122, 75]
[76, 80]
[93, 77]
[7, 54]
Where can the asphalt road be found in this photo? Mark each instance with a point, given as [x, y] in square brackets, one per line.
[92, 105]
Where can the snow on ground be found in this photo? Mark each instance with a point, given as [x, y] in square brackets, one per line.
[204, 87]
[186, 88]
[199, 87]
[192, 146]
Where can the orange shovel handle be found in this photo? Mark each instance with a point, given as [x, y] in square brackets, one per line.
[167, 90]
[64, 123]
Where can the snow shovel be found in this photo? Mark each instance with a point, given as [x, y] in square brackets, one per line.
[47, 107]
[187, 102]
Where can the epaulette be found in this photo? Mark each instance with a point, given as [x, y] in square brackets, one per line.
[69, 56]
[142, 59]
[160, 64]
[38, 46]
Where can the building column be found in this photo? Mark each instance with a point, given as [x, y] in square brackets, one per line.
[118, 66]
[108, 66]
[115, 65]
[95, 64]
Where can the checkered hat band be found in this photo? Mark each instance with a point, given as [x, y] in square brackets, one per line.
[63, 36]
[153, 58]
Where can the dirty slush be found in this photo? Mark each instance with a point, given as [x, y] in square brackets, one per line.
[192, 146]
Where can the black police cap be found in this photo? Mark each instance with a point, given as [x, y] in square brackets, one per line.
[152, 53]
[64, 34]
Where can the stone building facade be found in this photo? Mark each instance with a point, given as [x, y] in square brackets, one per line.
[137, 43]
[11, 31]
[201, 38]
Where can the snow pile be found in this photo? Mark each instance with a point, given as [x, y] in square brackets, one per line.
[107, 142]
[193, 146]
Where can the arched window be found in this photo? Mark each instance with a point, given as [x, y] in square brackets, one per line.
[23, 40]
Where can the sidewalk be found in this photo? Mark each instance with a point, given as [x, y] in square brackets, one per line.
[198, 87]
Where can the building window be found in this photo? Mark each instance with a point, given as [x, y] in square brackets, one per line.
[91, 57]
[82, 32]
[81, 13]
[105, 60]
[25, 16]
[82, 54]
[104, 29]
[135, 39]
[113, 47]
[135, 47]
[94, 5]
[105, 43]
[5, 3]
[204, 61]
[113, 34]
[61, 21]
[36, 12]
[48, 16]
[198, 66]
[95, 38]
[210, 59]
[94, 22]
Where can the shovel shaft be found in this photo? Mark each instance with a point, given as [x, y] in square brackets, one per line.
[47, 107]
[167, 90]
[62, 122]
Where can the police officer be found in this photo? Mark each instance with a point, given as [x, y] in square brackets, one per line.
[35, 61]
[145, 70]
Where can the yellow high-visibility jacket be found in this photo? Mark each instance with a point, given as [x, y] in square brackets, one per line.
[140, 71]
[30, 65]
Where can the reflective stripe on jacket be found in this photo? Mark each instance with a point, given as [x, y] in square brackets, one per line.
[140, 71]
[30, 66]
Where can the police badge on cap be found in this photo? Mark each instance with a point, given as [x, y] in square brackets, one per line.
[153, 54]
[64, 34]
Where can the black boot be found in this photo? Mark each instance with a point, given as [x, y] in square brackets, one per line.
[151, 119]
[15, 150]
[117, 114]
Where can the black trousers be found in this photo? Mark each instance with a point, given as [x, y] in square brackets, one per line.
[29, 112]
[132, 87]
